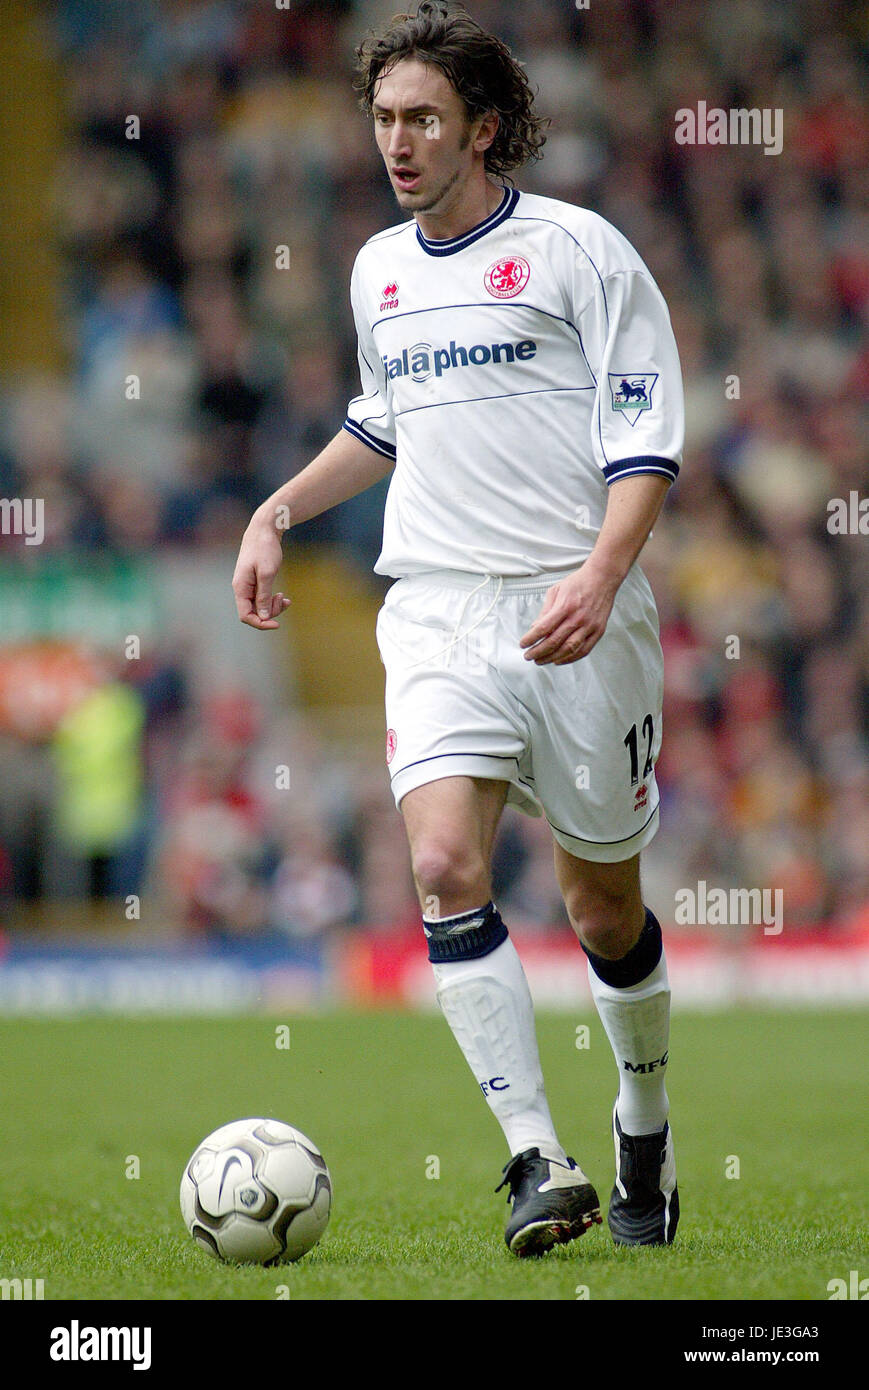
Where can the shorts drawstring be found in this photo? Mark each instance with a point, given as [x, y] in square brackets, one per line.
[460, 636]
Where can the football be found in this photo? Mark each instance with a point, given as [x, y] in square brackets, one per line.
[256, 1192]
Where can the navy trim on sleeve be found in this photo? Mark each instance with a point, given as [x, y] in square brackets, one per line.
[646, 463]
[378, 445]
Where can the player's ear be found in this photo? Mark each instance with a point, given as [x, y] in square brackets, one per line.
[487, 129]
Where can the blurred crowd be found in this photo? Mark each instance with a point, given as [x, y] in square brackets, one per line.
[216, 183]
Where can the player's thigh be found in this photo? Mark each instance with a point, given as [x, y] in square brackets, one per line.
[454, 818]
[446, 713]
[588, 883]
[603, 900]
[596, 734]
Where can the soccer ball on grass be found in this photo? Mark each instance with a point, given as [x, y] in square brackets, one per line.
[256, 1192]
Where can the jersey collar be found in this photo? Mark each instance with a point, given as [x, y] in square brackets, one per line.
[458, 243]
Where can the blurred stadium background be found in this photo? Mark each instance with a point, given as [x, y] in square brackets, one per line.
[162, 373]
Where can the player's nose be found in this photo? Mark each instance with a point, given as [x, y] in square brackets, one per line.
[399, 140]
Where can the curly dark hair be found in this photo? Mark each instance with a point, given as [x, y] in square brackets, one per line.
[479, 67]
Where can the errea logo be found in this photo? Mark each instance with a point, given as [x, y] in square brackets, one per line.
[423, 360]
[390, 297]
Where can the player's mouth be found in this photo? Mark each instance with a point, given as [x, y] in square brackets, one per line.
[406, 179]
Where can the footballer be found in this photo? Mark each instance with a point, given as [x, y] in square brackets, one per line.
[520, 381]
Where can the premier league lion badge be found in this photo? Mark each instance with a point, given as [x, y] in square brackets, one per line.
[632, 393]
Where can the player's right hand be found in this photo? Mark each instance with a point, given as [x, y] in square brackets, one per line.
[259, 560]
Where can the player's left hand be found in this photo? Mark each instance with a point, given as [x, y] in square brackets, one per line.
[572, 620]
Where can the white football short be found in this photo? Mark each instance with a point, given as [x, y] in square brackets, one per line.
[577, 743]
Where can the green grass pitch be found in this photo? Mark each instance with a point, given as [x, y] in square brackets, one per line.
[384, 1094]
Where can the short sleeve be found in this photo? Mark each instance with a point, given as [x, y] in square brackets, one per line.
[638, 423]
[369, 415]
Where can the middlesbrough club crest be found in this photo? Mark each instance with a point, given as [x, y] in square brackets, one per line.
[507, 277]
[391, 742]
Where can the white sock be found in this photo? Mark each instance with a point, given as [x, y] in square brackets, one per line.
[637, 1023]
[487, 1003]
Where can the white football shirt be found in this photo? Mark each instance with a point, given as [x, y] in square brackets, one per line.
[513, 373]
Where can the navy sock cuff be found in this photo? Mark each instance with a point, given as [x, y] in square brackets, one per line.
[639, 962]
[465, 936]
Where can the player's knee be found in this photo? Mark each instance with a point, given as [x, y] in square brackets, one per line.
[608, 924]
[448, 872]
[608, 939]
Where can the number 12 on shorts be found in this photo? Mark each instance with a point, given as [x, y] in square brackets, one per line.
[631, 742]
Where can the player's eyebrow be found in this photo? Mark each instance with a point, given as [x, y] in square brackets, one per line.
[428, 106]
